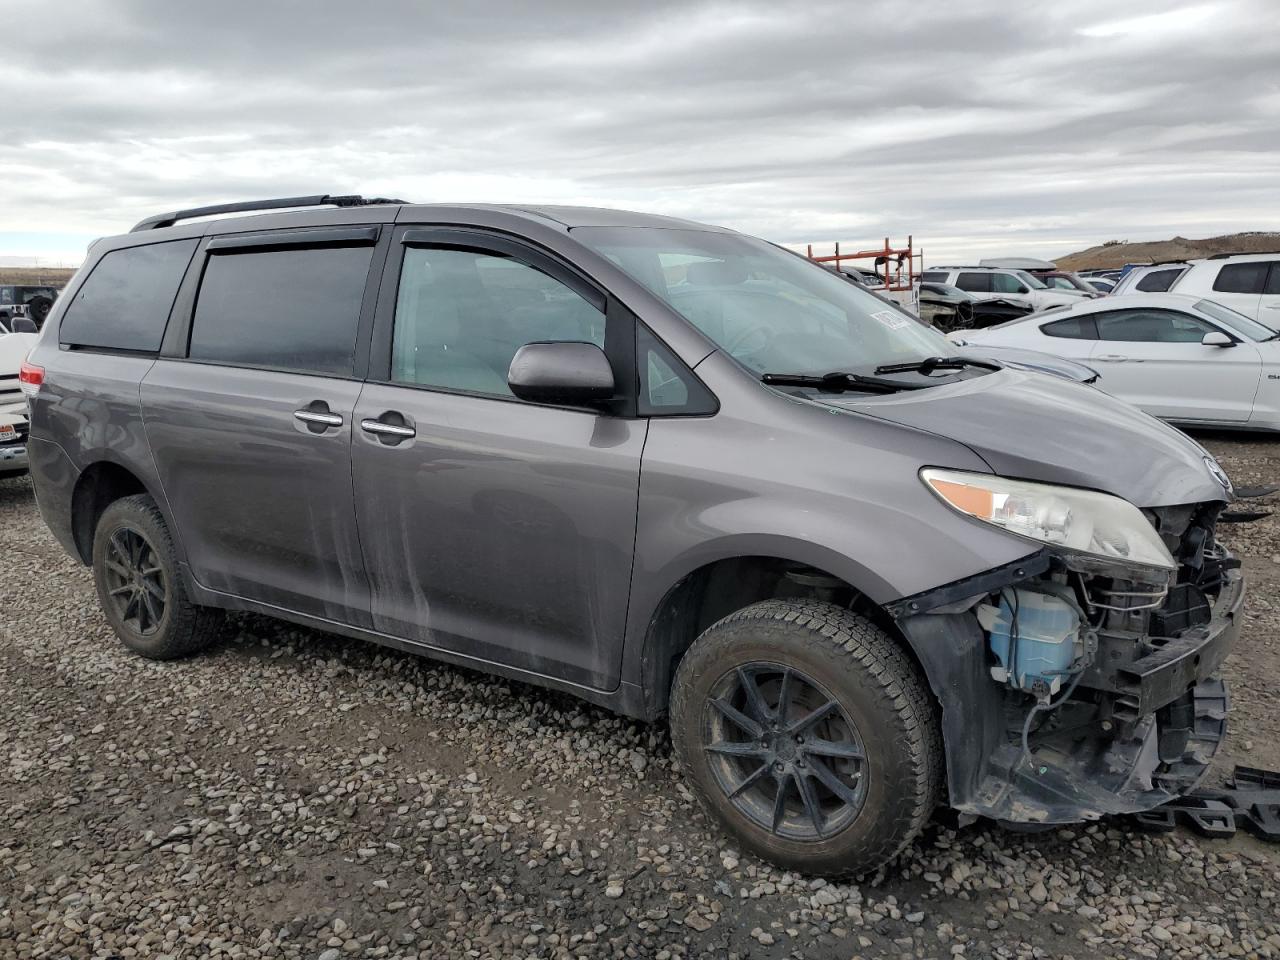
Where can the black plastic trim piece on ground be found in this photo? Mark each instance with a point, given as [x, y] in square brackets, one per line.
[1250, 800]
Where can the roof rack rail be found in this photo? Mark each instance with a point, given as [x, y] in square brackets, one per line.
[1244, 253]
[319, 200]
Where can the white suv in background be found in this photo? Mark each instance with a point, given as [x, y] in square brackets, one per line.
[1248, 283]
[1002, 283]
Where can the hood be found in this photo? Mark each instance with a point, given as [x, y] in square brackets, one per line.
[1028, 360]
[1031, 426]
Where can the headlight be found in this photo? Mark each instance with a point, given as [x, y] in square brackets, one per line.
[1079, 520]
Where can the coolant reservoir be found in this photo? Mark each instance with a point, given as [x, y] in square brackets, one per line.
[1033, 635]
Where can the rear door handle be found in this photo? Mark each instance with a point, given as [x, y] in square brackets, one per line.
[318, 417]
[1112, 358]
[387, 429]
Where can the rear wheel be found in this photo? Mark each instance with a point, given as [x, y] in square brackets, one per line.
[135, 569]
[808, 733]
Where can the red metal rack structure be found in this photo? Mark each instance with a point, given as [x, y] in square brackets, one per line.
[899, 263]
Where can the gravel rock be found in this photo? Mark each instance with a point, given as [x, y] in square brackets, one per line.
[296, 795]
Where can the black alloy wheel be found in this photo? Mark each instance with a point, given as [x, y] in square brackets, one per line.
[784, 751]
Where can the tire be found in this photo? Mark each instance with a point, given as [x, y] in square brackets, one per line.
[135, 569]
[38, 309]
[876, 704]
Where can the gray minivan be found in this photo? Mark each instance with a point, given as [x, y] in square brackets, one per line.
[666, 467]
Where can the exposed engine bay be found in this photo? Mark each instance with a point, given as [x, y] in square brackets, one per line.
[1089, 687]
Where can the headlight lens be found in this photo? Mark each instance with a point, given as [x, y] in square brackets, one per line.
[1080, 520]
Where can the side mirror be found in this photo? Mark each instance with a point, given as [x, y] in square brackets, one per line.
[1216, 338]
[562, 373]
[1024, 289]
[23, 325]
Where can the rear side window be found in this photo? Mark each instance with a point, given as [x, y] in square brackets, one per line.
[1072, 328]
[1157, 281]
[1241, 278]
[124, 304]
[294, 309]
[974, 282]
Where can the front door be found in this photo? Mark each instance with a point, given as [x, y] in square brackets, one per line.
[251, 428]
[491, 527]
[1154, 359]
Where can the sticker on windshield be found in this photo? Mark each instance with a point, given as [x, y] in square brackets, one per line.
[894, 321]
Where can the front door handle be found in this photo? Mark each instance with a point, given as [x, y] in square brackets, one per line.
[318, 417]
[387, 429]
[1112, 358]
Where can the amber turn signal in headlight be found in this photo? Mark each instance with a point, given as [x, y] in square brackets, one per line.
[1084, 521]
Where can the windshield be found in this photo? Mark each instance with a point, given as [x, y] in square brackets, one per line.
[1238, 322]
[769, 309]
[1029, 280]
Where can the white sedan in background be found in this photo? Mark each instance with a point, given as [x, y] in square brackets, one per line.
[1180, 358]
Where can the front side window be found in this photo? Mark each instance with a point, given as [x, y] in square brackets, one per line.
[772, 311]
[461, 315]
[1006, 283]
[295, 310]
[125, 302]
[1241, 278]
[1151, 326]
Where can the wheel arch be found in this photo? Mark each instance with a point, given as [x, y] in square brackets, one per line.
[99, 485]
[705, 592]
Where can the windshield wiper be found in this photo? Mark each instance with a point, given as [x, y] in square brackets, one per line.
[930, 364]
[839, 382]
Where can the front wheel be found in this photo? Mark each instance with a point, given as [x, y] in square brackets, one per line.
[135, 568]
[809, 734]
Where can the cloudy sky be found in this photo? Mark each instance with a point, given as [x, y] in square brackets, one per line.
[980, 130]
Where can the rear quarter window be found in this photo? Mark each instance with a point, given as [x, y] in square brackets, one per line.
[934, 276]
[1071, 328]
[125, 302]
[1158, 281]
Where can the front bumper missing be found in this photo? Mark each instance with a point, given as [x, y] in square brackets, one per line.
[1169, 722]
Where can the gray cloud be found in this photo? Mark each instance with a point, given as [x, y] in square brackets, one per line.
[978, 130]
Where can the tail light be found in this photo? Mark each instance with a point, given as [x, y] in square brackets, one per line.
[30, 378]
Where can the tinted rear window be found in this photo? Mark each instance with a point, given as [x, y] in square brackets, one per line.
[1158, 281]
[125, 302]
[1241, 278]
[293, 310]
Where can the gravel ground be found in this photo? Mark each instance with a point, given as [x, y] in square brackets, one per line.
[293, 794]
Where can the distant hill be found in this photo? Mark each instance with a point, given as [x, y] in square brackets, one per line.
[1116, 253]
[40, 276]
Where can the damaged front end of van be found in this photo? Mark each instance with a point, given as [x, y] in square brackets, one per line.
[1081, 681]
